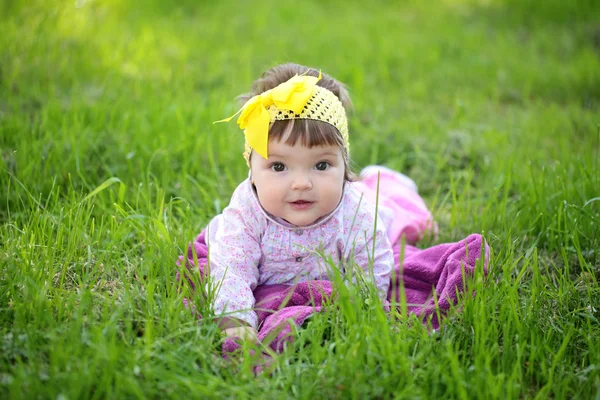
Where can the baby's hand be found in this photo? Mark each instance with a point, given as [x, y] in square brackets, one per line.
[243, 332]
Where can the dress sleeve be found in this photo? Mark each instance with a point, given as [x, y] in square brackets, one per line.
[234, 256]
[381, 257]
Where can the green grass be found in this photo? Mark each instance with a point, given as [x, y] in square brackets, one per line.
[110, 165]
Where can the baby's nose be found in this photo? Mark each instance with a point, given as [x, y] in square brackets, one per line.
[301, 182]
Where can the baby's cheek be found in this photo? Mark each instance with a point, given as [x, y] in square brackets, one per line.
[335, 193]
[268, 202]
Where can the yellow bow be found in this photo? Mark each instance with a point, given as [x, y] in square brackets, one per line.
[255, 118]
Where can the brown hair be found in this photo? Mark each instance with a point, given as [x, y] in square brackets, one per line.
[309, 132]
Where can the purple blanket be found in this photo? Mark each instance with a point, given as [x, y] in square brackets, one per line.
[438, 269]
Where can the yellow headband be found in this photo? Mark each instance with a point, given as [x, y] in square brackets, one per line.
[298, 98]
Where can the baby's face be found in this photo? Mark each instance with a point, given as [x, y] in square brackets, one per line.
[297, 183]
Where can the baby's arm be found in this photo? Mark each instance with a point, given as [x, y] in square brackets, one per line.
[233, 327]
[375, 247]
[235, 253]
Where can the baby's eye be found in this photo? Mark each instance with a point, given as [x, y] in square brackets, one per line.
[322, 166]
[278, 167]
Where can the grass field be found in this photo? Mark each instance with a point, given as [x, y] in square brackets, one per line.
[110, 165]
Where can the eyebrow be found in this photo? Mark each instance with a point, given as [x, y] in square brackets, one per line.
[326, 153]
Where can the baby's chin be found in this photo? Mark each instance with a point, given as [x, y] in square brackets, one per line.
[303, 222]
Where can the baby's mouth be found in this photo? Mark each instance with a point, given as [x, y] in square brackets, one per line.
[301, 204]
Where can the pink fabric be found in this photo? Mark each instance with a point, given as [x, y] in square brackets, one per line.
[438, 269]
[401, 208]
